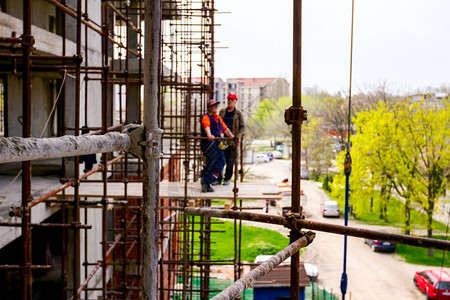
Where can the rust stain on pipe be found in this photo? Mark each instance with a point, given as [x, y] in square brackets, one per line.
[248, 280]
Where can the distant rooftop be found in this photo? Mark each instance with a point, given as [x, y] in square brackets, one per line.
[253, 81]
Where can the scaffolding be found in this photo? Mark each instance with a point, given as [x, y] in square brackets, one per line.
[152, 246]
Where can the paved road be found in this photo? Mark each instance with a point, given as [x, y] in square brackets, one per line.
[371, 275]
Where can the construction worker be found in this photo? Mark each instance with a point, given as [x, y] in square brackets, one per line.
[212, 127]
[234, 119]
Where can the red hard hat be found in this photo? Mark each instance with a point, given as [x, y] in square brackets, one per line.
[232, 96]
[212, 102]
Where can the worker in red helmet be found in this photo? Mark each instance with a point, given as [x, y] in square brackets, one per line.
[234, 119]
[212, 127]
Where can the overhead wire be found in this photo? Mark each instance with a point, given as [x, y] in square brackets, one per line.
[348, 161]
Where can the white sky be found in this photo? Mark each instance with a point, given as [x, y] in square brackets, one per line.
[405, 42]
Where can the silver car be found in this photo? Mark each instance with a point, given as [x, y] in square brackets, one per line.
[330, 209]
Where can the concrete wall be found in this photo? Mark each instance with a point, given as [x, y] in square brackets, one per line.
[40, 105]
[41, 11]
[50, 43]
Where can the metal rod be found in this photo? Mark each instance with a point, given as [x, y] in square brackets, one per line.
[76, 207]
[27, 44]
[16, 149]
[296, 139]
[237, 288]
[150, 180]
[325, 227]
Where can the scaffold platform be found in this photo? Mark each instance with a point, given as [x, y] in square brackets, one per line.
[176, 190]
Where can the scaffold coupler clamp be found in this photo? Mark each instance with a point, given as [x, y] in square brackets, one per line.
[290, 221]
[153, 142]
[136, 133]
[141, 142]
[295, 114]
[348, 163]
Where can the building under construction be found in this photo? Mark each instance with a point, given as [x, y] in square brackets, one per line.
[100, 158]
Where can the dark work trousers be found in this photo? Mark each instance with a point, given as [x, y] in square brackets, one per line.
[215, 161]
[230, 158]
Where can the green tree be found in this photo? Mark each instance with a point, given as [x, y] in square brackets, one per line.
[316, 145]
[268, 119]
[426, 134]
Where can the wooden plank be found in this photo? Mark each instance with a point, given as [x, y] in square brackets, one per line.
[175, 190]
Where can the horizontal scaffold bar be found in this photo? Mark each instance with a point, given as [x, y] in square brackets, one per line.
[294, 223]
[16, 149]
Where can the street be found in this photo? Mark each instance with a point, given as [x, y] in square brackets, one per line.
[371, 275]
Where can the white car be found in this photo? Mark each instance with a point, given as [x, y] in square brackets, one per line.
[259, 158]
[330, 209]
[277, 154]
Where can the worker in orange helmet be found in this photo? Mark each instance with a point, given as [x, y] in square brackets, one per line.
[212, 127]
[234, 119]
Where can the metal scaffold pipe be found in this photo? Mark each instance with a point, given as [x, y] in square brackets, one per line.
[17, 149]
[296, 224]
[237, 288]
[150, 182]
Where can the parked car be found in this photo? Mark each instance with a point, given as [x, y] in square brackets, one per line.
[435, 284]
[259, 158]
[277, 154]
[378, 245]
[270, 156]
[330, 209]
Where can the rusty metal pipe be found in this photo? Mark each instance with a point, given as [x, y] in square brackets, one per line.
[17, 149]
[150, 181]
[237, 288]
[27, 41]
[10, 40]
[325, 227]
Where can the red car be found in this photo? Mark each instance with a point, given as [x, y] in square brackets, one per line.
[435, 284]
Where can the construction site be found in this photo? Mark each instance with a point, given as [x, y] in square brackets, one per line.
[100, 156]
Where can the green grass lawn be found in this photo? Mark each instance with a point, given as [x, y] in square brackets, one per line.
[255, 241]
[419, 256]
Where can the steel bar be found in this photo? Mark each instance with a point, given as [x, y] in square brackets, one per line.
[27, 44]
[76, 268]
[153, 16]
[32, 267]
[16, 149]
[296, 137]
[237, 288]
[325, 227]
[10, 40]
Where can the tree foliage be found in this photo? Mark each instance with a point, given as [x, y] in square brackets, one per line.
[268, 119]
[400, 150]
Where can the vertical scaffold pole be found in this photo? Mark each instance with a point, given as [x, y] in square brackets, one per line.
[296, 138]
[150, 182]
[27, 43]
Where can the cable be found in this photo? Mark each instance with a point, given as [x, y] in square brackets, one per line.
[55, 101]
[348, 162]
